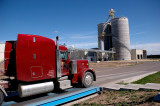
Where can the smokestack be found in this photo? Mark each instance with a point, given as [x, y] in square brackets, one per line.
[57, 42]
[58, 58]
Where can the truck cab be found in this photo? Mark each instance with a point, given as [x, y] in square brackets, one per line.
[35, 63]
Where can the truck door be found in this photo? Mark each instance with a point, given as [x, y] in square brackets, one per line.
[64, 63]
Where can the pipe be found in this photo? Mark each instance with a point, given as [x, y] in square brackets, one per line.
[58, 59]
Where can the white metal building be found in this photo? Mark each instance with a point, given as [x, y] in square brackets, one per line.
[2, 46]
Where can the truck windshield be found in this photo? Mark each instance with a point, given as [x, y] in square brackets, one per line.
[64, 55]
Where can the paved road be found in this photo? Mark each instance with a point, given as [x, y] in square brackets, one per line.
[109, 74]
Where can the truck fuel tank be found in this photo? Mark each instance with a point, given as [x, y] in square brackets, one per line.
[33, 89]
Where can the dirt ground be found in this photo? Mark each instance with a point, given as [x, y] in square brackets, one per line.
[122, 98]
[121, 63]
[114, 64]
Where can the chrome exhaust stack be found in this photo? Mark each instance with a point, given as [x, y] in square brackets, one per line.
[58, 59]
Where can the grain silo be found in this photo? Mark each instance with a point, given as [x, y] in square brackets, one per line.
[120, 38]
[104, 36]
[107, 37]
[100, 37]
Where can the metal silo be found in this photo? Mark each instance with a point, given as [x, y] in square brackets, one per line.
[104, 36]
[108, 37]
[120, 38]
[100, 37]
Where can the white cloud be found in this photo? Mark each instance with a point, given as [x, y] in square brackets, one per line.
[55, 32]
[84, 45]
[138, 33]
[82, 37]
[152, 48]
[87, 33]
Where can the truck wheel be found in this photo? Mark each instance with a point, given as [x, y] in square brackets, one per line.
[87, 79]
[1, 97]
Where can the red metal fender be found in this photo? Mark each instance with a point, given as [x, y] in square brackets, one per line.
[81, 74]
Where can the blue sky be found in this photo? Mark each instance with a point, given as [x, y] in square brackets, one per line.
[75, 21]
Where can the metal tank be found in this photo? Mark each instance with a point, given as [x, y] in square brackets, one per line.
[108, 37]
[104, 37]
[33, 89]
[120, 38]
[100, 37]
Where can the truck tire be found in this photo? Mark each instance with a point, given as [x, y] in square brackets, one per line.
[87, 79]
[1, 97]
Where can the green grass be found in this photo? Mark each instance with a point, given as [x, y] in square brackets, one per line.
[154, 78]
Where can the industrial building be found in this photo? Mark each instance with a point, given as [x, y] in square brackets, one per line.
[93, 54]
[138, 54]
[114, 35]
[2, 46]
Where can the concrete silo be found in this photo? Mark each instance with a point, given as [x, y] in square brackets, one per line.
[120, 38]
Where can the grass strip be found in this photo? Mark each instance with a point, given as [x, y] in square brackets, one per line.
[153, 78]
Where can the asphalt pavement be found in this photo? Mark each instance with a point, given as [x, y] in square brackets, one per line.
[111, 74]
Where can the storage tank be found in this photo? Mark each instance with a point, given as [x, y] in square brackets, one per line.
[120, 38]
[108, 37]
[105, 40]
[100, 38]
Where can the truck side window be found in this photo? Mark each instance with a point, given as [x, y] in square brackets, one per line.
[64, 55]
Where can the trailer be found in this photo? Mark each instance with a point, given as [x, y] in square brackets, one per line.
[52, 99]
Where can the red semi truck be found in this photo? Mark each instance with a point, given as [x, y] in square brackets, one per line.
[35, 65]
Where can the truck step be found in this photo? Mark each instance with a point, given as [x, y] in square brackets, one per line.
[65, 84]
